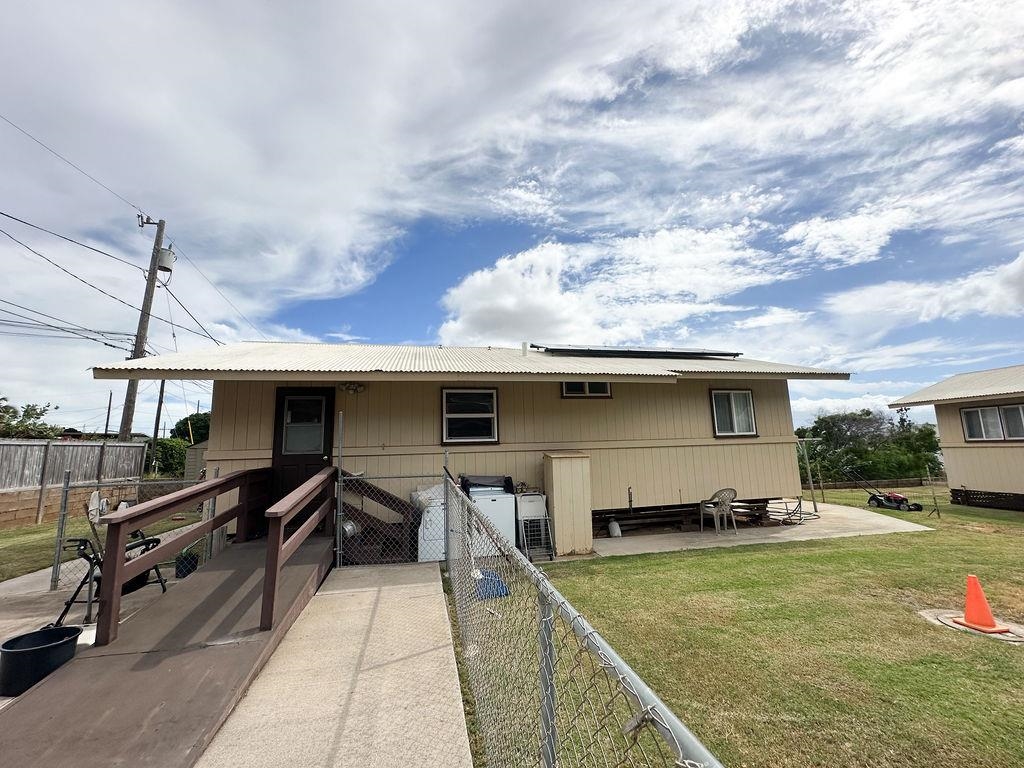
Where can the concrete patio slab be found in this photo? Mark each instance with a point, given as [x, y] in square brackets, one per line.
[836, 521]
[365, 677]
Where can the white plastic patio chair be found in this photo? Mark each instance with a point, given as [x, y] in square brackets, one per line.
[720, 504]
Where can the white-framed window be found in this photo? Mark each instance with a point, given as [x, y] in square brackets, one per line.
[982, 423]
[469, 415]
[1013, 421]
[733, 412]
[586, 389]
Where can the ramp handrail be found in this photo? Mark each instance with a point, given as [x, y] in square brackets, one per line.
[279, 549]
[116, 570]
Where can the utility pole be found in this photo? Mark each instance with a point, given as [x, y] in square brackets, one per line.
[128, 414]
[106, 426]
[156, 424]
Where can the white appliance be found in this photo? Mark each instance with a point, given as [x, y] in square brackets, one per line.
[531, 506]
[500, 509]
[432, 533]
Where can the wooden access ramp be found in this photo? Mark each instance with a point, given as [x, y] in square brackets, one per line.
[157, 695]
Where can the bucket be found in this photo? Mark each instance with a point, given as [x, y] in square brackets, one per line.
[27, 659]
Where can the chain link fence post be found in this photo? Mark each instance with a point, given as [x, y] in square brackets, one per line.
[62, 521]
[546, 643]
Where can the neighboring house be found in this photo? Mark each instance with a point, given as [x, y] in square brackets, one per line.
[672, 425]
[980, 418]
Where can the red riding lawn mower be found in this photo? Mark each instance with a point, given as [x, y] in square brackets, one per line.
[888, 500]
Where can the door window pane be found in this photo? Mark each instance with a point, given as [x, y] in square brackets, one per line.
[303, 425]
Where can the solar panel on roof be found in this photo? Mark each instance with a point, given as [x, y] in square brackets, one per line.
[673, 353]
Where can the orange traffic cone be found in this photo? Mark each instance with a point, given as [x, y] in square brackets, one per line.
[977, 614]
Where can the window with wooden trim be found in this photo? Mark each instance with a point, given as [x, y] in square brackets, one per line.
[469, 415]
[586, 389]
[733, 412]
[1004, 422]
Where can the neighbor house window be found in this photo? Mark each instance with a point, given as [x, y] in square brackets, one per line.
[586, 389]
[470, 415]
[1013, 421]
[982, 424]
[733, 412]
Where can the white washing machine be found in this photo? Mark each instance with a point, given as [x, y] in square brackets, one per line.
[500, 509]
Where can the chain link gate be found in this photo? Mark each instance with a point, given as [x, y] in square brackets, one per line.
[548, 689]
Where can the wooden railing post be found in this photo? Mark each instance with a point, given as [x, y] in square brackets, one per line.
[244, 527]
[275, 540]
[110, 584]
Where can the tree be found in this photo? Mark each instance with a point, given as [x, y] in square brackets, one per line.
[170, 456]
[26, 422]
[200, 428]
[871, 443]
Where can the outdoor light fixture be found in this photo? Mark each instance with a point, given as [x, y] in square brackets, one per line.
[353, 387]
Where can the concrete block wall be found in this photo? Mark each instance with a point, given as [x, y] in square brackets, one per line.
[18, 508]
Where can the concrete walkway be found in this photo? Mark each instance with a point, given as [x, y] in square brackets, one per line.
[836, 521]
[365, 677]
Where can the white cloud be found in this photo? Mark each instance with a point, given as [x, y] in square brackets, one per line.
[996, 291]
[847, 240]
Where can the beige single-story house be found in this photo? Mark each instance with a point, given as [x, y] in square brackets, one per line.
[980, 418]
[671, 425]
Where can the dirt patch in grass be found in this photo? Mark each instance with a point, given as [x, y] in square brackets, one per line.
[812, 653]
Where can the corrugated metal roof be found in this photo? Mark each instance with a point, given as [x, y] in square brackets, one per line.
[976, 385]
[356, 359]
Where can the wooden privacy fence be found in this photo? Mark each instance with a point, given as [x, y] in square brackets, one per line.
[253, 487]
[28, 464]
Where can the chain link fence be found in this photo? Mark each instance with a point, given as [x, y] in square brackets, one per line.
[547, 689]
[75, 523]
[930, 498]
[390, 519]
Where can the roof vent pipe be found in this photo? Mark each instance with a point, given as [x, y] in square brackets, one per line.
[526, 347]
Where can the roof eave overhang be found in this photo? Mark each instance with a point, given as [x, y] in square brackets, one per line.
[903, 403]
[141, 374]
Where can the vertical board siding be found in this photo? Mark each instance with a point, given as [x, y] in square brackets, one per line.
[657, 438]
[567, 478]
[979, 465]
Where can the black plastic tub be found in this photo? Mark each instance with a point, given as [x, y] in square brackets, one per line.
[27, 659]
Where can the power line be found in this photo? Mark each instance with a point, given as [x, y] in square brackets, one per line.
[58, 319]
[125, 200]
[58, 155]
[104, 342]
[219, 291]
[72, 240]
[189, 313]
[91, 285]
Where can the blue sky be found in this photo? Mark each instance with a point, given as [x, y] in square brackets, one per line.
[836, 184]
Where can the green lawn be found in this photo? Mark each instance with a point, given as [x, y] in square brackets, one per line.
[812, 653]
[30, 548]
